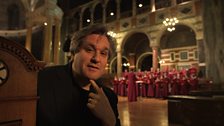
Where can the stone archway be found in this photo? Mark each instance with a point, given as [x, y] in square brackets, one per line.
[134, 45]
[183, 36]
[178, 49]
[144, 62]
[113, 64]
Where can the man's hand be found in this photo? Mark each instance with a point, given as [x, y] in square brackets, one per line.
[100, 106]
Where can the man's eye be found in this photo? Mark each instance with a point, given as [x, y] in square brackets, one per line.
[105, 53]
[89, 49]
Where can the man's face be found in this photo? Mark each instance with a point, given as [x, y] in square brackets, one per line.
[91, 59]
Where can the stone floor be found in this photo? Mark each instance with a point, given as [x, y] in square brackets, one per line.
[144, 112]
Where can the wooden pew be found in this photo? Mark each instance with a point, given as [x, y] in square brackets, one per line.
[196, 110]
[18, 84]
[207, 93]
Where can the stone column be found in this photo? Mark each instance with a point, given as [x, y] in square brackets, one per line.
[119, 63]
[133, 8]
[104, 14]
[48, 41]
[91, 15]
[155, 57]
[132, 61]
[57, 43]
[28, 37]
[80, 19]
[173, 2]
[118, 9]
[153, 6]
[214, 38]
[30, 10]
[201, 57]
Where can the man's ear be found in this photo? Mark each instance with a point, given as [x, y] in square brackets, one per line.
[71, 57]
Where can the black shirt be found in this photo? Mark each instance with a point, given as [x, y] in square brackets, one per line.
[63, 103]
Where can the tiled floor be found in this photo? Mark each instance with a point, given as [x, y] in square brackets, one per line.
[144, 112]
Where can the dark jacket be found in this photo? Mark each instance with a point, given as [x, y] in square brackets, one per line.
[63, 103]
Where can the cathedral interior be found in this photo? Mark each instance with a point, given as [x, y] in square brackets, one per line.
[149, 34]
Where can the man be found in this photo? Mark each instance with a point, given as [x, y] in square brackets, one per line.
[73, 95]
[131, 78]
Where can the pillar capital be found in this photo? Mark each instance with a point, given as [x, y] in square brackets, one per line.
[155, 47]
[131, 54]
[154, 42]
[118, 50]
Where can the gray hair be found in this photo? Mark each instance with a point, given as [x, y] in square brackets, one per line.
[77, 38]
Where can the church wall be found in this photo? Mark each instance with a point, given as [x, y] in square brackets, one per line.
[179, 58]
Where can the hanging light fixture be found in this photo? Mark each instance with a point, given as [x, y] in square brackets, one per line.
[88, 20]
[111, 13]
[126, 64]
[170, 23]
[112, 34]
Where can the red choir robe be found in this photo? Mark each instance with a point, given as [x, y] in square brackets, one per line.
[144, 85]
[184, 86]
[150, 91]
[131, 87]
[158, 88]
[166, 82]
[122, 86]
[139, 81]
[176, 86]
[115, 85]
[193, 81]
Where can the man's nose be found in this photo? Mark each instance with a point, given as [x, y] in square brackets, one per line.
[95, 58]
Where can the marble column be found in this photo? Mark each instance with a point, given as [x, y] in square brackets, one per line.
[173, 2]
[30, 7]
[201, 57]
[57, 44]
[133, 8]
[152, 5]
[80, 19]
[119, 63]
[91, 15]
[48, 41]
[118, 9]
[131, 59]
[28, 37]
[104, 14]
[155, 57]
[213, 18]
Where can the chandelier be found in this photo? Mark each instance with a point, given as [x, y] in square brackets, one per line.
[126, 64]
[170, 23]
[112, 34]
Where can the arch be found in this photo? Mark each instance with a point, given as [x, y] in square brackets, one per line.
[114, 61]
[98, 13]
[175, 49]
[163, 30]
[135, 44]
[97, 3]
[136, 41]
[181, 1]
[86, 17]
[181, 37]
[111, 7]
[140, 59]
[126, 36]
